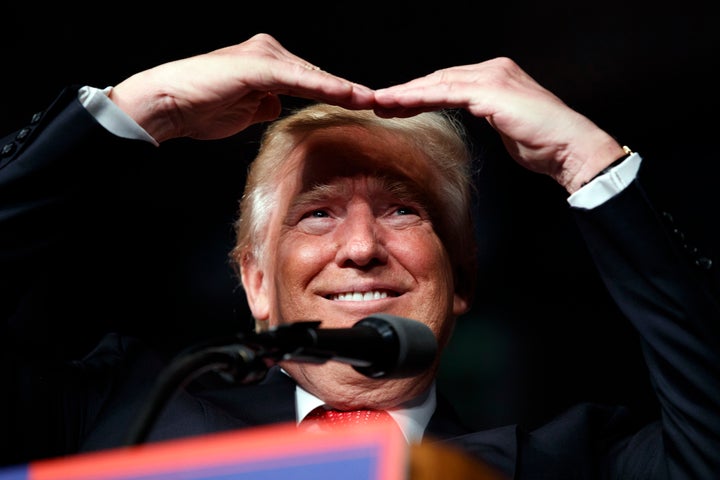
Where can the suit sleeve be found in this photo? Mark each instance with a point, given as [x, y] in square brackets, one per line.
[64, 191]
[669, 291]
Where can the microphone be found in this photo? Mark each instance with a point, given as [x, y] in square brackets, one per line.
[378, 346]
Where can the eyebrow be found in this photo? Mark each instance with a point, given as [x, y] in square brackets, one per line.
[320, 192]
[401, 189]
[398, 188]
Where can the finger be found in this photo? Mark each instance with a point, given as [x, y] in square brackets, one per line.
[310, 66]
[284, 73]
[315, 84]
[435, 96]
[453, 86]
[282, 53]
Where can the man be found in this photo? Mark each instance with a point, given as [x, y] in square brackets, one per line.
[346, 215]
[352, 214]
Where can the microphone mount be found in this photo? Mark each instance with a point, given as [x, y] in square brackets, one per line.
[377, 346]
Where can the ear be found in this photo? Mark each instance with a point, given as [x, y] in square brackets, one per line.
[256, 291]
[461, 304]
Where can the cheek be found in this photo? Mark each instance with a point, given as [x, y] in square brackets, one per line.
[299, 259]
[427, 260]
[425, 257]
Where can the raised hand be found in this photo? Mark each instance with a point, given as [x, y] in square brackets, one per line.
[538, 129]
[220, 93]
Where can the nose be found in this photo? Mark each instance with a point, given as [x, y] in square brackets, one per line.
[360, 240]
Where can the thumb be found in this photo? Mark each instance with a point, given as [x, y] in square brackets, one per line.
[268, 109]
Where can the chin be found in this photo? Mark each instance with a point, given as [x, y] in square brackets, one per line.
[344, 388]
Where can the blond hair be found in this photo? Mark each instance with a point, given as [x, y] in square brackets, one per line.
[439, 135]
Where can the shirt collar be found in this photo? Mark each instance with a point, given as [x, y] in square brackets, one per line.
[412, 417]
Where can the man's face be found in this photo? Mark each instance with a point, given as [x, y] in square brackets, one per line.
[352, 237]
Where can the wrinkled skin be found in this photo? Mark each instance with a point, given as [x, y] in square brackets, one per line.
[355, 235]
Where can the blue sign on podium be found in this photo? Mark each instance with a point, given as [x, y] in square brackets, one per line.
[278, 452]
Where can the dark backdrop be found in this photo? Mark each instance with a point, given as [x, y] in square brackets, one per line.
[543, 333]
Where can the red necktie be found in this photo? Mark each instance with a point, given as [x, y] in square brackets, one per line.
[327, 419]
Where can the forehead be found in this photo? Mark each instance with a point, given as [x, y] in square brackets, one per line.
[352, 150]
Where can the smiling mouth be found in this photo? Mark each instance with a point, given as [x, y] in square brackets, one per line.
[360, 296]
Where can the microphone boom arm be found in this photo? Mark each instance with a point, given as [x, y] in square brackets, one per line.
[378, 346]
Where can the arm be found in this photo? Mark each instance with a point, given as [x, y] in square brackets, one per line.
[674, 308]
[63, 163]
[209, 96]
[54, 175]
[50, 195]
[71, 211]
[670, 297]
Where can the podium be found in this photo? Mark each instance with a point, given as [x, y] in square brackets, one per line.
[276, 452]
[269, 453]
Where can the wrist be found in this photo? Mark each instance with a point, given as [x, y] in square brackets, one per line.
[135, 98]
[628, 151]
[597, 163]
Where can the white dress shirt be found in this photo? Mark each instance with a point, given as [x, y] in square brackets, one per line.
[412, 417]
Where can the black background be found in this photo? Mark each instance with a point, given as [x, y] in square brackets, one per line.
[543, 333]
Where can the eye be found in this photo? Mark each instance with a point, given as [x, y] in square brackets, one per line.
[316, 214]
[403, 216]
[406, 210]
[317, 221]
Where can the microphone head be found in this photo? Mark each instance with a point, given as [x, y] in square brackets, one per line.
[416, 346]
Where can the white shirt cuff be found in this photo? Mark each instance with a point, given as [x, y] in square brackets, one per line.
[604, 187]
[110, 116]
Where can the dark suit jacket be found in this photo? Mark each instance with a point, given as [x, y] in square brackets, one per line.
[54, 178]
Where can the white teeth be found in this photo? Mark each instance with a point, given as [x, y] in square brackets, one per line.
[358, 296]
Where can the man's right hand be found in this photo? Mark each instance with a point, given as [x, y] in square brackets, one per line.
[539, 130]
